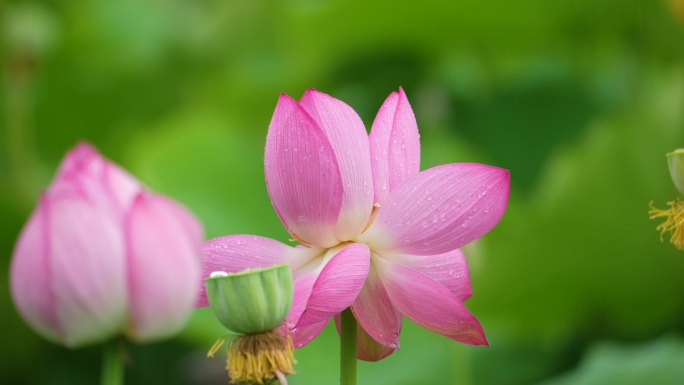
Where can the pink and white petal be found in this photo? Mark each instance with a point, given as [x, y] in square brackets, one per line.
[450, 269]
[305, 334]
[31, 276]
[367, 349]
[102, 181]
[375, 312]
[302, 291]
[394, 145]
[122, 186]
[88, 269]
[235, 253]
[163, 267]
[81, 173]
[430, 304]
[303, 286]
[82, 159]
[192, 226]
[302, 175]
[440, 209]
[347, 135]
[337, 285]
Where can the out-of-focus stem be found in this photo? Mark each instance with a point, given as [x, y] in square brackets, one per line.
[25, 37]
[112, 365]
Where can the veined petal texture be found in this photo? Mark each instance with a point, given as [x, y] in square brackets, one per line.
[346, 133]
[440, 209]
[394, 145]
[375, 312]
[450, 269]
[337, 285]
[302, 175]
[430, 304]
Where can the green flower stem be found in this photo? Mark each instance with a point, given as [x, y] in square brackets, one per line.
[348, 349]
[112, 365]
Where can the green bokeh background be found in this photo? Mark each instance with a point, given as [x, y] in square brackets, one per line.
[579, 99]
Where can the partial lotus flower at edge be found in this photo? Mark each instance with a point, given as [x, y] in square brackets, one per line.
[376, 233]
[673, 215]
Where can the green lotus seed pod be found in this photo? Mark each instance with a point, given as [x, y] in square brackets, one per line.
[251, 301]
[675, 160]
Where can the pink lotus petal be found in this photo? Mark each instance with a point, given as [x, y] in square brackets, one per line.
[86, 256]
[82, 159]
[394, 145]
[375, 312]
[163, 266]
[191, 225]
[122, 187]
[302, 291]
[102, 181]
[30, 277]
[235, 253]
[450, 269]
[302, 175]
[305, 334]
[337, 285]
[429, 303]
[347, 135]
[367, 349]
[440, 209]
[71, 274]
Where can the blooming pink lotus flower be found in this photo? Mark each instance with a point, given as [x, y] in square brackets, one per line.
[377, 234]
[101, 255]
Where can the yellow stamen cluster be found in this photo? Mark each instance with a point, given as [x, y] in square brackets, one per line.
[674, 221]
[257, 358]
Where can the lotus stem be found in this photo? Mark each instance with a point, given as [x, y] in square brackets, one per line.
[112, 365]
[348, 348]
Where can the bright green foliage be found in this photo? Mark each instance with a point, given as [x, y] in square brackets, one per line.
[579, 99]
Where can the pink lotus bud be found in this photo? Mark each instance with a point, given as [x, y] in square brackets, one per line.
[101, 255]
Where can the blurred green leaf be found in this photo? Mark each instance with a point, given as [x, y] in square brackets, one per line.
[579, 255]
[657, 362]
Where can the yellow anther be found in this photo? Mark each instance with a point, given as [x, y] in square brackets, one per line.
[674, 221]
[258, 358]
[216, 346]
